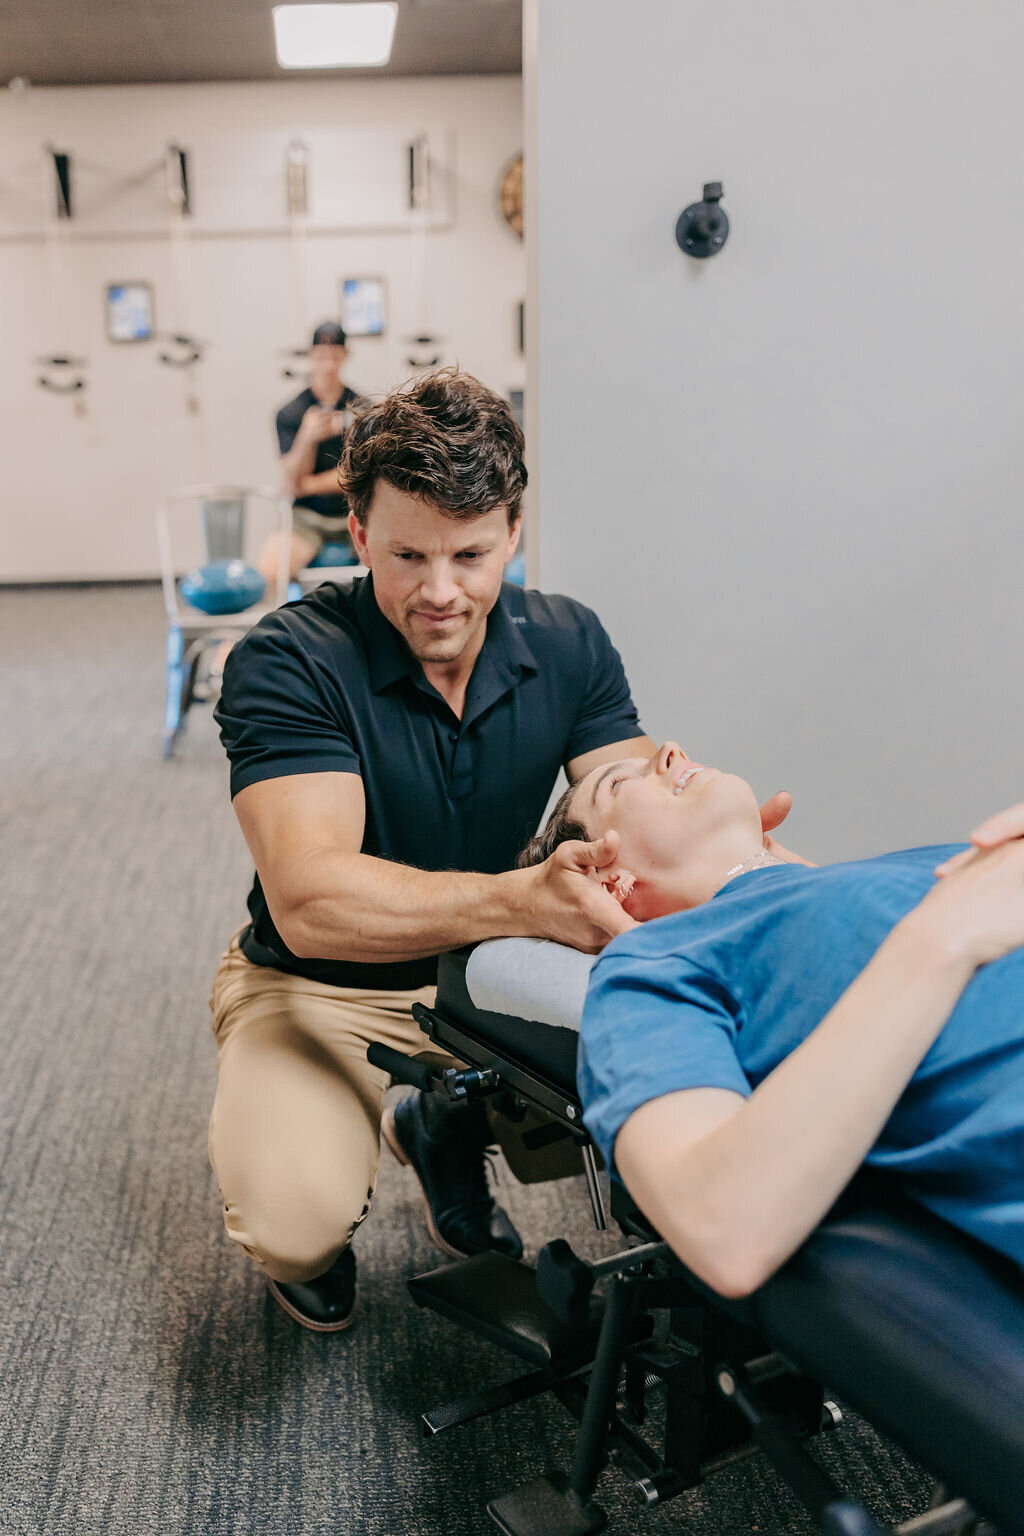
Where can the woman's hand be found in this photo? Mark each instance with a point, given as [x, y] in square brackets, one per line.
[773, 814]
[1003, 828]
[976, 910]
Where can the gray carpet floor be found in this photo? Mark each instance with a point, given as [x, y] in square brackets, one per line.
[150, 1385]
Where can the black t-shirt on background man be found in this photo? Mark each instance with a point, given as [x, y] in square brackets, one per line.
[327, 684]
[328, 453]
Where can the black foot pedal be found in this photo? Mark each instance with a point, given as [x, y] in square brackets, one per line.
[546, 1507]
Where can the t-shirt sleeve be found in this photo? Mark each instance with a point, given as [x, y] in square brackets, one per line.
[607, 713]
[287, 430]
[274, 714]
[652, 1025]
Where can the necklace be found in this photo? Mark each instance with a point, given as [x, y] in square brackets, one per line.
[756, 861]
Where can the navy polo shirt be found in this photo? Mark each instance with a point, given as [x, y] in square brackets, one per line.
[328, 685]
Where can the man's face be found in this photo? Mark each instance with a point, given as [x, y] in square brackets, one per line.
[436, 578]
[325, 368]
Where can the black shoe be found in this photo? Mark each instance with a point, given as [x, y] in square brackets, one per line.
[445, 1146]
[326, 1304]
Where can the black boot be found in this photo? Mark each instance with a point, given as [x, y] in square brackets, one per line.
[326, 1304]
[445, 1146]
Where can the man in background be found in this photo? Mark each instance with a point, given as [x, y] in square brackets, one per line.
[311, 436]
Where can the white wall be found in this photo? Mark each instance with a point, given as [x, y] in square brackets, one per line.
[789, 478]
[79, 493]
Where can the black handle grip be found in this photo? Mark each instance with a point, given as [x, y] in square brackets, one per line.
[403, 1069]
[564, 1282]
[61, 389]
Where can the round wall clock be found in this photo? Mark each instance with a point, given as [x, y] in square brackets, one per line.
[510, 195]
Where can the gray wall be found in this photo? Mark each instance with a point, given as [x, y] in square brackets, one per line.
[789, 478]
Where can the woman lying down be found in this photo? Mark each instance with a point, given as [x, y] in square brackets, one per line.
[782, 1024]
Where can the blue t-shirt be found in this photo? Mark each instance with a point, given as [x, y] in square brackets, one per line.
[718, 996]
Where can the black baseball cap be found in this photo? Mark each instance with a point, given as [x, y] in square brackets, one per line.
[329, 334]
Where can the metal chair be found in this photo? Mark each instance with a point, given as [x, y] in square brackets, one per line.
[195, 525]
[313, 576]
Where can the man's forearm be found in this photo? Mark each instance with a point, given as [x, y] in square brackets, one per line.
[367, 910]
[297, 463]
[323, 484]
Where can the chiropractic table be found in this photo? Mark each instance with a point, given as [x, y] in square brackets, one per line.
[918, 1328]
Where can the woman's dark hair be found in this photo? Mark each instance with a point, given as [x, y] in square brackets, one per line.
[559, 828]
[444, 437]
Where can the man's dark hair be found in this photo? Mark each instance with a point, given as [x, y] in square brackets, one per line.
[559, 828]
[444, 437]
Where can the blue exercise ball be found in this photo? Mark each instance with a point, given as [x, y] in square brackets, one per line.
[223, 586]
[334, 553]
[515, 571]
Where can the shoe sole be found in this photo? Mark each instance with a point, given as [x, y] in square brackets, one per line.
[307, 1322]
[390, 1134]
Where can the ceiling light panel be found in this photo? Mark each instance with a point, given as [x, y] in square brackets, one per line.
[334, 36]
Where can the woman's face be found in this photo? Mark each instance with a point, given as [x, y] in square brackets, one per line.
[676, 820]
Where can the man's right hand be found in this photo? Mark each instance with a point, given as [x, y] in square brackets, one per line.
[317, 425]
[562, 900]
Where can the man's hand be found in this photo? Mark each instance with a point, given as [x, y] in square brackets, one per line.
[564, 899]
[773, 814]
[317, 425]
[1002, 828]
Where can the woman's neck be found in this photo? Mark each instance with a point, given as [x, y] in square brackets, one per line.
[759, 860]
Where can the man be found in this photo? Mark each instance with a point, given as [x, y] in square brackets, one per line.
[310, 433]
[392, 747]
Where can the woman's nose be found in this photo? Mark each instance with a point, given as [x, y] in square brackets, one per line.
[668, 755]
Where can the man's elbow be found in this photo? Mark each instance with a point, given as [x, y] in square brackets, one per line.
[292, 922]
[299, 942]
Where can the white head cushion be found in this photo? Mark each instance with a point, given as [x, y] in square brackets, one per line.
[530, 979]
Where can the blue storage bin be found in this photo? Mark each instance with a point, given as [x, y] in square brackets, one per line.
[223, 586]
[515, 571]
[334, 553]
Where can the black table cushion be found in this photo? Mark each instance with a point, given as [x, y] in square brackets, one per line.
[921, 1330]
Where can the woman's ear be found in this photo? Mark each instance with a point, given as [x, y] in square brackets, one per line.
[618, 882]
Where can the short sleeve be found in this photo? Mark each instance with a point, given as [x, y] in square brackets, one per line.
[607, 713]
[652, 1025]
[274, 715]
[287, 430]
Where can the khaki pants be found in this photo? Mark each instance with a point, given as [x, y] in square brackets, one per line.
[317, 529]
[295, 1129]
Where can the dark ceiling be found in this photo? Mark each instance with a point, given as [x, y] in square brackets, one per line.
[122, 42]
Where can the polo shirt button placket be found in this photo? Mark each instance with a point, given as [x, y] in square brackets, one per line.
[460, 784]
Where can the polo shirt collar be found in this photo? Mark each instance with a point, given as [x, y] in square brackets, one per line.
[387, 656]
[505, 655]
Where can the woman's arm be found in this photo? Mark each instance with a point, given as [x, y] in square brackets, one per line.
[735, 1185]
[1001, 828]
